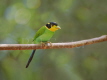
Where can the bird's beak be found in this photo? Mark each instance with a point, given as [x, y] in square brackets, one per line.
[58, 27]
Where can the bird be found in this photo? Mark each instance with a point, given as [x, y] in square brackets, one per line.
[43, 35]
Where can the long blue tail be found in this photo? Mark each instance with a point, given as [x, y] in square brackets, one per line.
[30, 59]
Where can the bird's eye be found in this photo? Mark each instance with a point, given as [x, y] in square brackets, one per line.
[48, 25]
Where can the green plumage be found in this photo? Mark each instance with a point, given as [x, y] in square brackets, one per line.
[43, 35]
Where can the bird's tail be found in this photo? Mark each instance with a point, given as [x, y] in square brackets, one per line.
[30, 59]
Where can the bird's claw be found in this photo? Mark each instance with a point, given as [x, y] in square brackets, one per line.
[50, 43]
[44, 44]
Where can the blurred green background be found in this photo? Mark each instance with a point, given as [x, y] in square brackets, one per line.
[79, 20]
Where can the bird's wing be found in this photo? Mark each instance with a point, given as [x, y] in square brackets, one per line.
[39, 32]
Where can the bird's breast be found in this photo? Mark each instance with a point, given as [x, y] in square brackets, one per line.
[45, 37]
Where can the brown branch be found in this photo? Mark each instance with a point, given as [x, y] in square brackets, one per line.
[54, 45]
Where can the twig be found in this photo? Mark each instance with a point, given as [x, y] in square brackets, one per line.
[54, 45]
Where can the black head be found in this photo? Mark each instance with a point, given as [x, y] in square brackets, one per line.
[50, 24]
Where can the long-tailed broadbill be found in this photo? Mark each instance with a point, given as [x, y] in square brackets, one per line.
[44, 34]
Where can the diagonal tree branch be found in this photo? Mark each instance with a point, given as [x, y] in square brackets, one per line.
[54, 45]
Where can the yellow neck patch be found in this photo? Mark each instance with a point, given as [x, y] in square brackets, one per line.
[53, 29]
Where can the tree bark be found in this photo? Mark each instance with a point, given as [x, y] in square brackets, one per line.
[53, 45]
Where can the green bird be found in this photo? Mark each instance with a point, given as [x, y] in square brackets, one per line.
[43, 35]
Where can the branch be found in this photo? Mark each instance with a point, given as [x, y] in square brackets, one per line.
[54, 45]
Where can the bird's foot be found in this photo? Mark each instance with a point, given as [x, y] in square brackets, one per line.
[45, 44]
[50, 44]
